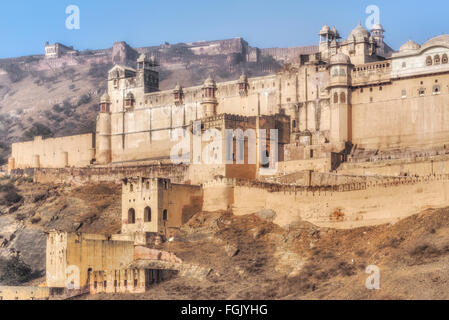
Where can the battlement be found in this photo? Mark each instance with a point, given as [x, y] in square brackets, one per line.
[219, 181]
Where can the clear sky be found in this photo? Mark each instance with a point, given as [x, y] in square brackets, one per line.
[25, 25]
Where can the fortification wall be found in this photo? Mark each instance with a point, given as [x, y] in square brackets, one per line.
[176, 173]
[420, 166]
[24, 293]
[344, 206]
[218, 194]
[72, 151]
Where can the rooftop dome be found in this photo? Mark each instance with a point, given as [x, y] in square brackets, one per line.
[325, 29]
[359, 32]
[377, 26]
[105, 98]
[209, 82]
[340, 58]
[409, 45]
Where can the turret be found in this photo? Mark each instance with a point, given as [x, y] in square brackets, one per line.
[328, 38]
[209, 102]
[103, 136]
[178, 95]
[338, 87]
[243, 85]
[147, 74]
[377, 33]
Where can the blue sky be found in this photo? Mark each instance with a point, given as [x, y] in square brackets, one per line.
[25, 25]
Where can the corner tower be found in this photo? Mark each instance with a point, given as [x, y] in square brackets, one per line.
[103, 136]
[340, 105]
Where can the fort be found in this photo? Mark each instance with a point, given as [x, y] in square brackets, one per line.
[352, 133]
[348, 112]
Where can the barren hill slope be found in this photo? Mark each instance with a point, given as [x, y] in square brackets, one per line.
[249, 257]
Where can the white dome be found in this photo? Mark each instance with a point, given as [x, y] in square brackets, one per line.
[409, 45]
[359, 32]
[340, 58]
[325, 29]
[105, 98]
[377, 26]
[209, 82]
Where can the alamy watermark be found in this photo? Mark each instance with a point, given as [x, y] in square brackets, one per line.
[373, 281]
[236, 147]
[374, 16]
[73, 21]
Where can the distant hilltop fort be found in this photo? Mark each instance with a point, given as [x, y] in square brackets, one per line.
[58, 54]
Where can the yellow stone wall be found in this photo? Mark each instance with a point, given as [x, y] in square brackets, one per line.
[72, 151]
[84, 252]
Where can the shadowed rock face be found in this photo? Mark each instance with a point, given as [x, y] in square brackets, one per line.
[31, 244]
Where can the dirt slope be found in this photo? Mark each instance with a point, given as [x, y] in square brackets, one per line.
[254, 259]
[250, 258]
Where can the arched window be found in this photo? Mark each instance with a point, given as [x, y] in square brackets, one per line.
[165, 215]
[335, 97]
[437, 59]
[342, 72]
[444, 60]
[131, 188]
[131, 216]
[294, 124]
[147, 185]
[429, 61]
[342, 97]
[147, 214]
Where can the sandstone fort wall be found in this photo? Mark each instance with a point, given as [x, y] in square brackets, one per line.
[72, 151]
[344, 206]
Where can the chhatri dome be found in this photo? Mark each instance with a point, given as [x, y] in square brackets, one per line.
[325, 29]
[340, 58]
[377, 26]
[105, 98]
[359, 32]
[409, 45]
[209, 82]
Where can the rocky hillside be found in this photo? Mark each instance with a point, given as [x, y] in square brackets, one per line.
[28, 210]
[249, 256]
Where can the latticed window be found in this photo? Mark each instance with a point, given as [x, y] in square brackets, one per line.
[437, 59]
[429, 61]
[335, 97]
[342, 97]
